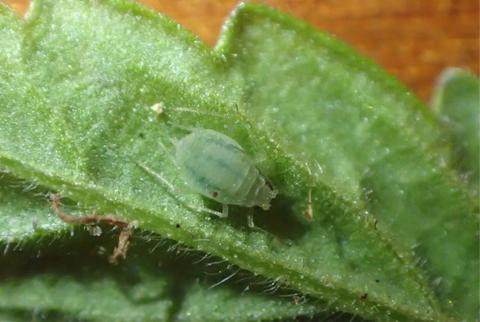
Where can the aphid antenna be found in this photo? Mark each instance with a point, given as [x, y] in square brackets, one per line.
[157, 176]
[173, 192]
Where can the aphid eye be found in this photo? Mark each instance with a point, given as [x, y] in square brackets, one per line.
[214, 194]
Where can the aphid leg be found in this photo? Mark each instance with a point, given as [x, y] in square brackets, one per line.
[166, 152]
[174, 193]
[251, 224]
[309, 211]
[121, 249]
[225, 210]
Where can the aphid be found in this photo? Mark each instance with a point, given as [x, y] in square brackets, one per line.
[215, 166]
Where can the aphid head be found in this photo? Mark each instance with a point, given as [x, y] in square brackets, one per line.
[265, 195]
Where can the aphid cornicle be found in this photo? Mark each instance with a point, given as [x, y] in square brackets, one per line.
[217, 167]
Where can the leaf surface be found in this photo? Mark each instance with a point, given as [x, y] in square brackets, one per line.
[86, 289]
[75, 90]
[158, 287]
[372, 141]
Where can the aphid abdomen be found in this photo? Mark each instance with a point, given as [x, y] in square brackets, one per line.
[214, 165]
[246, 184]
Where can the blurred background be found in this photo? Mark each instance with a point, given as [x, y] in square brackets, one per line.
[414, 40]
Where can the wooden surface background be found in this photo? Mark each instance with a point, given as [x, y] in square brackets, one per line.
[413, 39]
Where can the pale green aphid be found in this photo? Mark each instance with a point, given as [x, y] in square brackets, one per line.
[217, 167]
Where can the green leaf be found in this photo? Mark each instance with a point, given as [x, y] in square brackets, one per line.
[456, 101]
[27, 316]
[374, 142]
[158, 287]
[23, 213]
[93, 293]
[85, 288]
[75, 91]
[85, 298]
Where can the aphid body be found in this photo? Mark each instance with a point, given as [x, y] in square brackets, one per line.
[217, 167]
